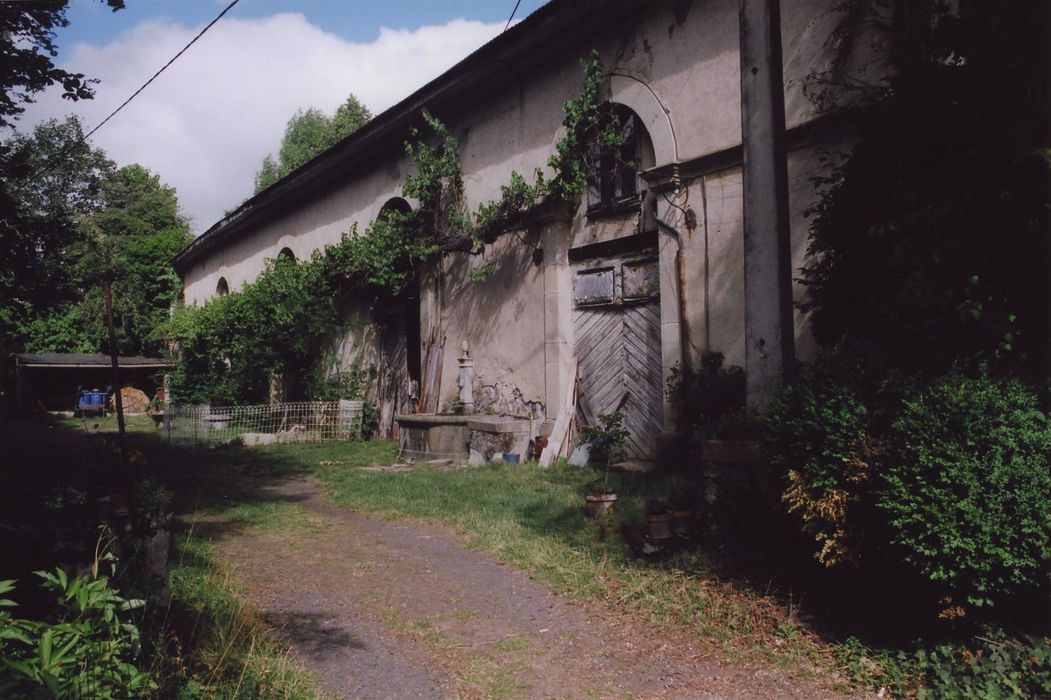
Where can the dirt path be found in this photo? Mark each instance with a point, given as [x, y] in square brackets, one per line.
[400, 609]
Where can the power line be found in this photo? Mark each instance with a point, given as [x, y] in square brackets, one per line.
[165, 67]
[512, 15]
[82, 141]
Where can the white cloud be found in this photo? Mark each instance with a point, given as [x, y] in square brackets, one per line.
[207, 122]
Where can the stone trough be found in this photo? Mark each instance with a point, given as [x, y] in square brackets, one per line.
[476, 439]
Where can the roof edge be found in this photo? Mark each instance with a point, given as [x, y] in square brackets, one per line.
[390, 126]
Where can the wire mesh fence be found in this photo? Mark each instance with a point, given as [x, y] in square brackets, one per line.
[263, 424]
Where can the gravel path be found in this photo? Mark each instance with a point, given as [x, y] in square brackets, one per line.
[401, 609]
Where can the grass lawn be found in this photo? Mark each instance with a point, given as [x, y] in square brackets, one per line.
[535, 519]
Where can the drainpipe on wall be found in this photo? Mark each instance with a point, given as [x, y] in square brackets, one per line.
[680, 273]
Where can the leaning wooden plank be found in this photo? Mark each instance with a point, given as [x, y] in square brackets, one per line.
[558, 436]
[565, 445]
[558, 432]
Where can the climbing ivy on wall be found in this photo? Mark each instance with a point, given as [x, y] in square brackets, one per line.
[584, 123]
[283, 321]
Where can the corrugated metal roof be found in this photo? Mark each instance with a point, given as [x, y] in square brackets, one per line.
[81, 359]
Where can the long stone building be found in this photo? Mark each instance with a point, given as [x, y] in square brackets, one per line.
[646, 273]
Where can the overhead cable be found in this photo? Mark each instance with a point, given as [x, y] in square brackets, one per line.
[163, 68]
[512, 15]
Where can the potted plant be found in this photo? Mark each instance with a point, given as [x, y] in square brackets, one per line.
[711, 406]
[605, 445]
[659, 519]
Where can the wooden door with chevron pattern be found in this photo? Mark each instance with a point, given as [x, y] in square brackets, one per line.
[618, 349]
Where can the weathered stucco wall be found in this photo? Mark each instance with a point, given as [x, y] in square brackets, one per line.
[303, 229]
[714, 252]
[677, 67]
[502, 319]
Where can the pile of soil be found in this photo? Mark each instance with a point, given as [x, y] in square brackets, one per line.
[133, 400]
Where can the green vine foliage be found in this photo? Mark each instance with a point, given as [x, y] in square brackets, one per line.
[992, 666]
[385, 258]
[438, 183]
[278, 324]
[583, 121]
[283, 321]
[516, 198]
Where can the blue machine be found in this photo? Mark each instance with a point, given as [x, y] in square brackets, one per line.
[91, 401]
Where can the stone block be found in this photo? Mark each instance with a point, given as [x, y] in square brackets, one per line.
[257, 439]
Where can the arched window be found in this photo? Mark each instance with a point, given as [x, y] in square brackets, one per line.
[222, 288]
[286, 255]
[616, 152]
[394, 205]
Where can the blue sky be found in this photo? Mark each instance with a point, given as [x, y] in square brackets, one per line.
[207, 123]
[355, 20]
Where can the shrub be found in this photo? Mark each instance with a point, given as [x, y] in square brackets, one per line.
[820, 432]
[280, 323]
[994, 666]
[352, 383]
[968, 491]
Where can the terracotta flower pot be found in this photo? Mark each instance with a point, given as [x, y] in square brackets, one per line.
[659, 525]
[682, 522]
[600, 504]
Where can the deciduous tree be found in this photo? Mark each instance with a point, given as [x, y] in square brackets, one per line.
[307, 135]
[27, 44]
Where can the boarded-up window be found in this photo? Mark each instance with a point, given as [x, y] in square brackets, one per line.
[593, 287]
[641, 279]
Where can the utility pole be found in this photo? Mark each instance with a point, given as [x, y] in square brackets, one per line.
[769, 326]
[118, 400]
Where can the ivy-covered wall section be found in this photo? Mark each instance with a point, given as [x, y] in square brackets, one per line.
[287, 318]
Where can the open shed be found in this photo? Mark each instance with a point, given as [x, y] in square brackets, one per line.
[49, 381]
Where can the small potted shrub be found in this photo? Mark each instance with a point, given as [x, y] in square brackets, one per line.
[605, 444]
[659, 520]
[711, 406]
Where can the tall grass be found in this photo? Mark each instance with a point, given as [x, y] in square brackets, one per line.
[212, 645]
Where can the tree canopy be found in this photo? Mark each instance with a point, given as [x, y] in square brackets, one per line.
[27, 44]
[928, 241]
[131, 240]
[307, 135]
[48, 180]
[68, 217]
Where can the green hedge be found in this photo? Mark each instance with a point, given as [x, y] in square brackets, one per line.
[953, 478]
[968, 491]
